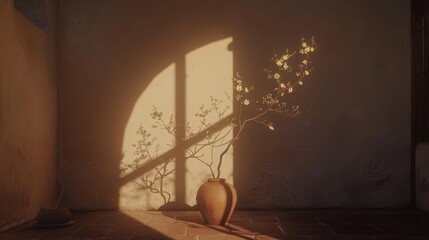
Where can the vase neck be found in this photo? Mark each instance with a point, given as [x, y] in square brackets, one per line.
[216, 180]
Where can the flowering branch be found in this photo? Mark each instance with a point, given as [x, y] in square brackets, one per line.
[285, 77]
[274, 101]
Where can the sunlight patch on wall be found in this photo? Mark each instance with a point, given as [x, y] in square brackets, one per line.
[136, 194]
[209, 73]
[207, 76]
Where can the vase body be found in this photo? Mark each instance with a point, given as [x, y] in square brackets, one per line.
[216, 201]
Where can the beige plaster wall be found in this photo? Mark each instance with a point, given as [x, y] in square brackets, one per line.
[350, 149]
[28, 115]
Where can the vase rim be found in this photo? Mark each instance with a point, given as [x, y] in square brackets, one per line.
[215, 179]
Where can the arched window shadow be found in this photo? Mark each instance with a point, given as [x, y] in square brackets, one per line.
[186, 98]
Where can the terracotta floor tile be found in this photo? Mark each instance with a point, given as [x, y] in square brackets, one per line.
[139, 219]
[227, 237]
[344, 238]
[354, 229]
[85, 219]
[105, 220]
[397, 229]
[105, 238]
[168, 229]
[256, 228]
[252, 225]
[329, 218]
[161, 219]
[192, 217]
[150, 236]
[158, 231]
[297, 219]
[37, 233]
[305, 230]
[237, 218]
[92, 232]
[274, 237]
[263, 218]
[185, 238]
[410, 218]
[365, 218]
[125, 231]
[401, 238]
[205, 230]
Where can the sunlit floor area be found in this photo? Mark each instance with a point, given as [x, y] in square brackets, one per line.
[292, 225]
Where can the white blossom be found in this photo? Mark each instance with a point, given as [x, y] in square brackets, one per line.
[285, 66]
[307, 50]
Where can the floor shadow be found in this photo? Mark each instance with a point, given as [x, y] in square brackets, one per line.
[299, 224]
[95, 225]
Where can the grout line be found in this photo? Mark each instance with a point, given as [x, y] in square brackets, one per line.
[75, 231]
[147, 221]
[325, 225]
[281, 229]
[107, 234]
[186, 229]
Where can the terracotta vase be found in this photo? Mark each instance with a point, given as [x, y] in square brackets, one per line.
[216, 200]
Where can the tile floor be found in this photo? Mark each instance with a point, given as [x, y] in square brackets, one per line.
[257, 225]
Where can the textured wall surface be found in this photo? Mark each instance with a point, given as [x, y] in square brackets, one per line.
[350, 149]
[28, 115]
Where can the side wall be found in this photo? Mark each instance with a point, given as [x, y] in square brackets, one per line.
[28, 115]
[422, 176]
